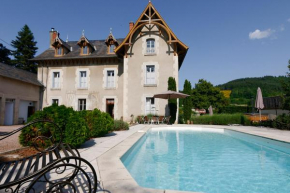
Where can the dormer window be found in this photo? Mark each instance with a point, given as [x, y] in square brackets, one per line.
[150, 46]
[111, 43]
[61, 47]
[59, 51]
[86, 47]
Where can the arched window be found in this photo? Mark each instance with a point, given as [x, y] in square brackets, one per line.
[150, 46]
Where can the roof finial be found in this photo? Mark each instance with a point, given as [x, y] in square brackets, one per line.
[111, 29]
[83, 33]
[149, 1]
[66, 38]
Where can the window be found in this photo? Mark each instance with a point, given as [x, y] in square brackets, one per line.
[111, 50]
[150, 74]
[55, 80]
[150, 106]
[110, 79]
[82, 104]
[85, 50]
[150, 46]
[83, 79]
[55, 101]
[59, 51]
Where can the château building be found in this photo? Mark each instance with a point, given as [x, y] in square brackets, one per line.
[118, 76]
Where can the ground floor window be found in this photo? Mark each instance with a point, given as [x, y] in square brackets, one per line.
[110, 104]
[82, 104]
[150, 106]
[55, 101]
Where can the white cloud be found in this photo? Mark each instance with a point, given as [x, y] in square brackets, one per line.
[288, 20]
[257, 34]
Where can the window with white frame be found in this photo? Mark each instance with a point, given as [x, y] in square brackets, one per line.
[150, 74]
[55, 101]
[150, 49]
[56, 80]
[83, 79]
[150, 106]
[110, 79]
[82, 104]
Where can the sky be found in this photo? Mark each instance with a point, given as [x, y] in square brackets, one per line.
[227, 39]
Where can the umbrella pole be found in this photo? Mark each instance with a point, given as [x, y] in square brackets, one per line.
[260, 115]
[168, 123]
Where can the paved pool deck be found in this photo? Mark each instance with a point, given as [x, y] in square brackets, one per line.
[105, 153]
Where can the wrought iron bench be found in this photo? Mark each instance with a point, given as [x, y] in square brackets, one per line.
[58, 168]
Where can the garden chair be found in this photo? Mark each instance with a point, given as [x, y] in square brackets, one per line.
[160, 119]
[140, 119]
[154, 120]
[166, 119]
[146, 120]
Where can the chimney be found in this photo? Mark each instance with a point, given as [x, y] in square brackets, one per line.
[52, 36]
[131, 25]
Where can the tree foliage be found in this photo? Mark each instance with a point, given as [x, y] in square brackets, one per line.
[25, 49]
[205, 94]
[4, 54]
[286, 88]
[243, 90]
[187, 102]
[172, 102]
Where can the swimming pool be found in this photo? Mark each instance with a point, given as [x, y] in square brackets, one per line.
[209, 160]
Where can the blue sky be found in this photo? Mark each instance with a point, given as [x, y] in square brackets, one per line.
[228, 39]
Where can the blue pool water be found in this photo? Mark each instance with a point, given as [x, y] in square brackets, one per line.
[207, 161]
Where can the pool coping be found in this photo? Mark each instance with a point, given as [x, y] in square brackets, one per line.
[115, 178]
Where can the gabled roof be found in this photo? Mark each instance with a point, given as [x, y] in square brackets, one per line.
[151, 16]
[61, 42]
[18, 74]
[100, 52]
[84, 39]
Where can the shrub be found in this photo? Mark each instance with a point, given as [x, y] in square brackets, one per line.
[282, 122]
[76, 130]
[120, 125]
[76, 126]
[222, 119]
[99, 123]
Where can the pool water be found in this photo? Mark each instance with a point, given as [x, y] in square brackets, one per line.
[209, 161]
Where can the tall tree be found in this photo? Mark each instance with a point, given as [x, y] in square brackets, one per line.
[4, 54]
[172, 102]
[205, 94]
[25, 49]
[286, 88]
[187, 102]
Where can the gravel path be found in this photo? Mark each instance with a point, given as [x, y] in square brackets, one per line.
[12, 142]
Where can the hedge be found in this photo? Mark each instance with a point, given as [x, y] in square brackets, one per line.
[221, 119]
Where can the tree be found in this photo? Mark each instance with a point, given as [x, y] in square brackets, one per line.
[205, 94]
[187, 102]
[286, 88]
[25, 49]
[172, 103]
[4, 54]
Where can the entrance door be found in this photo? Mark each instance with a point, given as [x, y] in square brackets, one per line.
[9, 108]
[110, 107]
[31, 110]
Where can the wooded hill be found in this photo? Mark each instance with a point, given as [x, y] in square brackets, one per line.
[243, 90]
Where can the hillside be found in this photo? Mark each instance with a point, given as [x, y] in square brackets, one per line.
[246, 88]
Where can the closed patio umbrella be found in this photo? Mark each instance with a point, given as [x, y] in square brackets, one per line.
[259, 101]
[210, 110]
[170, 95]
